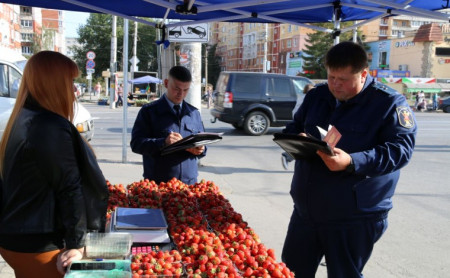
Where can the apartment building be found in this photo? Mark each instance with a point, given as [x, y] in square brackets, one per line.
[27, 29]
[30, 28]
[258, 46]
[10, 27]
[52, 30]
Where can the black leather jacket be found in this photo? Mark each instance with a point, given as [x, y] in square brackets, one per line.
[51, 181]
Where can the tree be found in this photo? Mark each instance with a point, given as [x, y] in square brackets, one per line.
[95, 36]
[213, 64]
[318, 45]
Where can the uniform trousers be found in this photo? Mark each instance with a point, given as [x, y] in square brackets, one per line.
[26, 265]
[346, 246]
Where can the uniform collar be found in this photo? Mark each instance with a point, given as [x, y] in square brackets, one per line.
[171, 104]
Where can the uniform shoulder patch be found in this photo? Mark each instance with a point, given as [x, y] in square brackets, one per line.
[384, 88]
[405, 117]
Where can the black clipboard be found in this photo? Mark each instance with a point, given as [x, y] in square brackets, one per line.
[301, 147]
[194, 140]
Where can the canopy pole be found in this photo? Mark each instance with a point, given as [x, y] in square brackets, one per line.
[337, 22]
[125, 89]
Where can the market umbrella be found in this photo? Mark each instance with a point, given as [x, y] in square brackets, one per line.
[145, 79]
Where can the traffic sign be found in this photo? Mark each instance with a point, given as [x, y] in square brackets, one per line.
[189, 33]
[90, 71]
[90, 64]
[90, 55]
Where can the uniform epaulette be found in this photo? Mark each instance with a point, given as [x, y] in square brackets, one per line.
[384, 88]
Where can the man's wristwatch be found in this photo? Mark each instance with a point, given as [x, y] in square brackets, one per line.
[351, 167]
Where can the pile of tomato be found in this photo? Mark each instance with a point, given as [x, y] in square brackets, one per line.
[212, 239]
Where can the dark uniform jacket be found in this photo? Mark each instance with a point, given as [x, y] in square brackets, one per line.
[52, 190]
[378, 131]
[153, 124]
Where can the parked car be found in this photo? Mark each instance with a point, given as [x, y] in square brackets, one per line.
[256, 101]
[444, 104]
[10, 77]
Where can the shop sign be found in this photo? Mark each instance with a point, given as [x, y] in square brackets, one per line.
[404, 43]
[443, 61]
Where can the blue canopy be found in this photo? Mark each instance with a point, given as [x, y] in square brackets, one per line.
[145, 79]
[297, 12]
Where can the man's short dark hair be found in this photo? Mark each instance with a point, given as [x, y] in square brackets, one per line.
[180, 73]
[346, 54]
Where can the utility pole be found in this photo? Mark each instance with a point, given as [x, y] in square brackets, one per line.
[112, 86]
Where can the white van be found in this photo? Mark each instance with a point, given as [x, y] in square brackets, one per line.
[11, 69]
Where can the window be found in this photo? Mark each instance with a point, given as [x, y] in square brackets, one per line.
[9, 81]
[382, 62]
[299, 85]
[26, 50]
[247, 84]
[26, 23]
[4, 86]
[382, 32]
[442, 51]
[14, 80]
[27, 37]
[279, 87]
[288, 43]
[289, 28]
[295, 42]
[25, 10]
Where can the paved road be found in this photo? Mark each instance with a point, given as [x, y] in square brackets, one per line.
[249, 172]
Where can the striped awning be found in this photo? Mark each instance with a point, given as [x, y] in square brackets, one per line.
[427, 88]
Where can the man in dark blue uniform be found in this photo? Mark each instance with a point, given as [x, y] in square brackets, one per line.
[341, 202]
[164, 122]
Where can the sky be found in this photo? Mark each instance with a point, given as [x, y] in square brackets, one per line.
[73, 20]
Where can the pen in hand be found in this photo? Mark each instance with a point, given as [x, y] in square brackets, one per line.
[173, 137]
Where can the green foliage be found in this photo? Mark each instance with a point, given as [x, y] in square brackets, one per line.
[213, 64]
[96, 36]
[317, 46]
[141, 102]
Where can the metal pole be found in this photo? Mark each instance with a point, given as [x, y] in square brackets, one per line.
[355, 33]
[266, 36]
[135, 62]
[125, 89]
[112, 88]
[206, 71]
[158, 56]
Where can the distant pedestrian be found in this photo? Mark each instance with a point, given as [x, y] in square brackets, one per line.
[97, 89]
[209, 97]
[435, 101]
